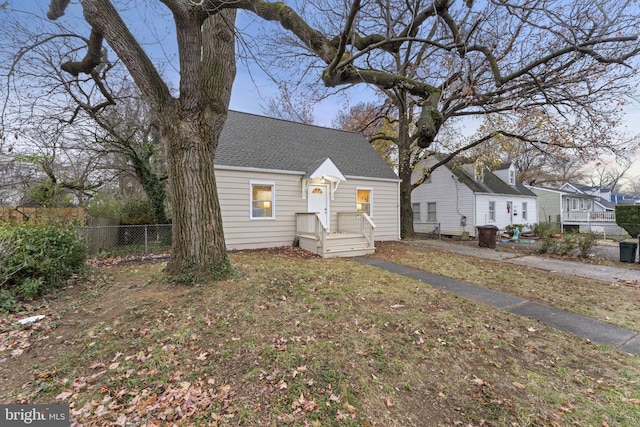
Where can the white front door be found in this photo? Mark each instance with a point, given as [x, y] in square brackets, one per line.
[319, 202]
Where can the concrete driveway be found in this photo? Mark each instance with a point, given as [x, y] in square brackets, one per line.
[508, 252]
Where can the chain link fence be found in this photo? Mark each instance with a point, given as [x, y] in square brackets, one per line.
[127, 240]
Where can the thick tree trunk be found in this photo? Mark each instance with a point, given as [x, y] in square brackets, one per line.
[406, 210]
[404, 173]
[198, 245]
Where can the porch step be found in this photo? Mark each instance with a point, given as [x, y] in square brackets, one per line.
[348, 253]
[347, 245]
[338, 245]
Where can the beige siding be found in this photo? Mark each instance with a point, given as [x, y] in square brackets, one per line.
[242, 232]
[385, 209]
[453, 201]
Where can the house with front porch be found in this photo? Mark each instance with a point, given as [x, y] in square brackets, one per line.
[572, 210]
[282, 183]
[602, 196]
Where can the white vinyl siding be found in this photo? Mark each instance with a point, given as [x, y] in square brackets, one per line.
[453, 200]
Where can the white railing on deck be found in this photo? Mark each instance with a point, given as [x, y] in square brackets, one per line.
[309, 224]
[358, 223]
[586, 216]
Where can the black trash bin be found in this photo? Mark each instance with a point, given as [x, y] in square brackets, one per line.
[487, 236]
[628, 251]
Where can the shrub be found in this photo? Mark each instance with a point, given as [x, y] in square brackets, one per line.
[628, 217]
[104, 205]
[569, 244]
[585, 243]
[43, 257]
[136, 212]
[544, 229]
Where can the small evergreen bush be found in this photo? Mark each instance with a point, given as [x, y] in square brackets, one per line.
[41, 257]
[628, 217]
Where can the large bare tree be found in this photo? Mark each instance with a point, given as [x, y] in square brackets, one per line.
[189, 124]
[123, 142]
[436, 59]
[563, 67]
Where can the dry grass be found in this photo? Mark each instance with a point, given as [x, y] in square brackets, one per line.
[294, 339]
[615, 302]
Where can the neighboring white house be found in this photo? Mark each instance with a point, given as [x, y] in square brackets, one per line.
[281, 183]
[459, 198]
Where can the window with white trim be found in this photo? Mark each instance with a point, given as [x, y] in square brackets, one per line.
[262, 200]
[524, 210]
[492, 211]
[416, 211]
[364, 200]
[431, 211]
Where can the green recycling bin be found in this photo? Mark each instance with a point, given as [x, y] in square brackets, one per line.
[628, 251]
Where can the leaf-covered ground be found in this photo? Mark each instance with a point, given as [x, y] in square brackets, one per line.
[298, 340]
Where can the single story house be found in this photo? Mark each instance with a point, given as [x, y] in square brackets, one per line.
[282, 183]
[457, 198]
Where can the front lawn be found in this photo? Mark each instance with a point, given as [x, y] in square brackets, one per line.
[298, 340]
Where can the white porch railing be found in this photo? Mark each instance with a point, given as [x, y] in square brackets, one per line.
[586, 216]
[356, 222]
[309, 224]
[354, 234]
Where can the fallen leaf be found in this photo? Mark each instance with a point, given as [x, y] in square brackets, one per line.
[518, 385]
[64, 395]
[389, 403]
[479, 381]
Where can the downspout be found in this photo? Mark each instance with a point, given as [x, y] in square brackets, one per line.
[398, 211]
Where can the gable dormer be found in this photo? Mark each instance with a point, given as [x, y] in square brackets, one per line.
[507, 173]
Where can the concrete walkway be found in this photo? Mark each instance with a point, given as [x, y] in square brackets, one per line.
[594, 330]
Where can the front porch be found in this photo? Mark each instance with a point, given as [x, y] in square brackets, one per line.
[354, 235]
[588, 217]
[603, 223]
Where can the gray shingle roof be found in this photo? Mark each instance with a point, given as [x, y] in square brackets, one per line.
[490, 184]
[253, 141]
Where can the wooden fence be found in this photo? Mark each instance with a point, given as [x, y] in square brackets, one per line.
[34, 214]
